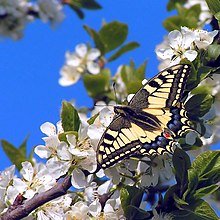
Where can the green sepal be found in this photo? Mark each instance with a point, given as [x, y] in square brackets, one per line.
[92, 119]
[62, 136]
[69, 117]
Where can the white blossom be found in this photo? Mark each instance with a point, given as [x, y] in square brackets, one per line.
[13, 15]
[82, 60]
[183, 44]
[36, 179]
[50, 10]
[178, 46]
[55, 209]
[204, 38]
[51, 141]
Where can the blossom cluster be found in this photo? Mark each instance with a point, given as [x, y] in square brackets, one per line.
[83, 60]
[15, 14]
[185, 43]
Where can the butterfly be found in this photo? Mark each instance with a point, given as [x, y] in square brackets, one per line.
[151, 121]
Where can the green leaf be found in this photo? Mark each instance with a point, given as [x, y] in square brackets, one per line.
[199, 210]
[88, 4]
[96, 37]
[132, 77]
[69, 117]
[214, 6]
[130, 196]
[101, 82]
[169, 196]
[214, 51]
[77, 10]
[134, 213]
[199, 104]
[205, 191]
[205, 171]
[179, 201]
[205, 163]
[16, 155]
[181, 163]
[187, 17]
[113, 35]
[172, 4]
[125, 48]
[140, 71]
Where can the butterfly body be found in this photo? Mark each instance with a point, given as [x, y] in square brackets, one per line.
[150, 122]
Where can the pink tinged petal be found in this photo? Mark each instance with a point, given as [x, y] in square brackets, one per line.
[190, 55]
[175, 39]
[73, 60]
[78, 179]
[81, 50]
[48, 128]
[95, 208]
[93, 54]
[27, 171]
[93, 68]
[42, 151]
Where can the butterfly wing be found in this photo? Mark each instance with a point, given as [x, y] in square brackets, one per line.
[158, 101]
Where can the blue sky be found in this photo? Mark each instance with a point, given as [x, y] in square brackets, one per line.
[30, 93]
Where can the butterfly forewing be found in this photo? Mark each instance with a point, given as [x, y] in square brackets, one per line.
[163, 90]
[150, 122]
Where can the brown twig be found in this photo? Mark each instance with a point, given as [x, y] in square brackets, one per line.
[19, 211]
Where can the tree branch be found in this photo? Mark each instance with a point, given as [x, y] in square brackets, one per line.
[18, 211]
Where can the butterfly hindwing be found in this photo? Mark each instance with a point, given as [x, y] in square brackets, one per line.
[150, 121]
